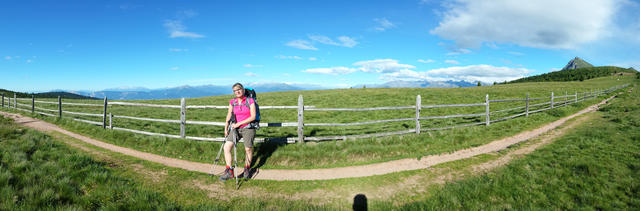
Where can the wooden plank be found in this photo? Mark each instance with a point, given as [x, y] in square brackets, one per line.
[527, 106]
[359, 123]
[59, 106]
[300, 120]
[82, 114]
[508, 109]
[44, 109]
[192, 122]
[323, 138]
[540, 98]
[455, 126]
[84, 104]
[183, 110]
[551, 99]
[111, 121]
[145, 105]
[509, 117]
[358, 109]
[452, 116]
[454, 105]
[87, 121]
[487, 110]
[46, 114]
[418, 104]
[46, 102]
[507, 100]
[33, 103]
[104, 114]
[146, 133]
[148, 119]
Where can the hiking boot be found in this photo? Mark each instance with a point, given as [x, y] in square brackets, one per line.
[246, 173]
[228, 174]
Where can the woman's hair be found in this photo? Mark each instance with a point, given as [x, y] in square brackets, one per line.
[238, 84]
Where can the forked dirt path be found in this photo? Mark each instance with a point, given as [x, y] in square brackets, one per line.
[315, 174]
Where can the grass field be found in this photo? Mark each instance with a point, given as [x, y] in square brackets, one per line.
[340, 153]
[593, 167]
[597, 166]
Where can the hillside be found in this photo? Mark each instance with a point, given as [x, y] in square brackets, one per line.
[66, 95]
[579, 74]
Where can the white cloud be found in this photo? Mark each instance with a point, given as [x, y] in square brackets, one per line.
[381, 66]
[551, 24]
[251, 65]
[451, 62]
[7, 57]
[383, 24]
[322, 39]
[344, 40]
[288, 57]
[313, 58]
[29, 61]
[370, 66]
[250, 74]
[347, 41]
[331, 70]
[459, 51]
[426, 61]
[178, 49]
[301, 44]
[472, 73]
[174, 68]
[176, 29]
[482, 73]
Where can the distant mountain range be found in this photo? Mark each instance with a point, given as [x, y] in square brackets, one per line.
[141, 93]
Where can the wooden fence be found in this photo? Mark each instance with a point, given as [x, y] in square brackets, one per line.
[526, 109]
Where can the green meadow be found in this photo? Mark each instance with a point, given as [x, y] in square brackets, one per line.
[339, 153]
[593, 166]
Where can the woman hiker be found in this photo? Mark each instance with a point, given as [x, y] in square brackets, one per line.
[240, 129]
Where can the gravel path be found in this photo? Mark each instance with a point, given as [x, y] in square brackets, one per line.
[314, 174]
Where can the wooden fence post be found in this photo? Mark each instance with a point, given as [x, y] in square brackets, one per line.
[487, 110]
[576, 97]
[183, 108]
[551, 99]
[527, 106]
[111, 121]
[59, 106]
[15, 101]
[418, 105]
[33, 104]
[104, 114]
[300, 120]
[566, 98]
[3, 100]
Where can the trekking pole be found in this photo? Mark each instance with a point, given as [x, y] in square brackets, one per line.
[235, 159]
[219, 152]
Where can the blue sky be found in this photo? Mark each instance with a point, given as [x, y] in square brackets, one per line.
[95, 45]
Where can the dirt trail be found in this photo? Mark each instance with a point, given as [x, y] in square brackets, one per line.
[315, 174]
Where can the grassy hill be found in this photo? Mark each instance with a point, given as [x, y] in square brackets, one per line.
[579, 74]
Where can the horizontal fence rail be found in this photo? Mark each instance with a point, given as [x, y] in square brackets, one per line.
[531, 105]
